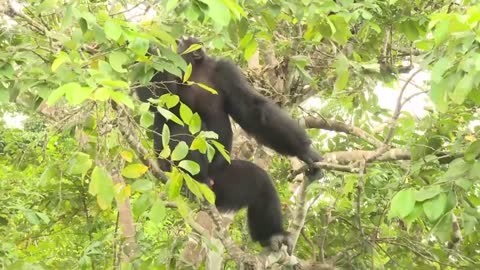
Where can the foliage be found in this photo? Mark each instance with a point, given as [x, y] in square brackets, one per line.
[61, 197]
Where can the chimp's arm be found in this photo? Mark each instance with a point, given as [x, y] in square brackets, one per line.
[260, 117]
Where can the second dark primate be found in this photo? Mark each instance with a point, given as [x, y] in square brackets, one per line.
[241, 183]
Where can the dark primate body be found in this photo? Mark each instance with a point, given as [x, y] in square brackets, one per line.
[241, 183]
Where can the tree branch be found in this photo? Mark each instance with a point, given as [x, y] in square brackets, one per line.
[333, 125]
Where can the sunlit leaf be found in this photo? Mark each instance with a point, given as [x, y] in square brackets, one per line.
[180, 151]
[146, 119]
[188, 72]
[101, 185]
[168, 115]
[185, 113]
[126, 155]
[434, 208]
[175, 185]
[112, 30]
[222, 150]
[158, 212]
[134, 170]
[122, 99]
[190, 166]
[165, 135]
[193, 186]
[77, 96]
[80, 163]
[117, 59]
[402, 203]
[427, 193]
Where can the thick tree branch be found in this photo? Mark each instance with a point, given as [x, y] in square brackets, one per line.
[125, 220]
[332, 125]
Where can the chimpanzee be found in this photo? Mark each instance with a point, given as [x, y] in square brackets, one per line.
[241, 183]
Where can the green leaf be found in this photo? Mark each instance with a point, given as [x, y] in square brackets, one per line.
[171, 4]
[424, 45]
[31, 217]
[83, 25]
[102, 94]
[62, 57]
[410, 29]
[180, 151]
[416, 213]
[122, 98]
[43, 217]
[200, 144]
[146, 120]
[168, 115]
[438, 95]
[142, 185]
[474, 172]
[170, 100]
[250, 49]
[402, 203]
[439, 68]
[60, 91]
[473, 151]
[246, 40]
[193, 186]
[427, 193]
[67, 18]
[464, 183]
[456, 169]
[188, 72]
[134, 170]
[235, 8]
[185, 113]
[139, 46]
[435, 208]
[221, 148]
[463, 88]
[342, 29]
[165, 153]
[158, 212]
[182, 208]
[80, 163]
[127, 155]
[165, 135]
[192, 48]
[117, 59]
[47, 6]
[141, 204]
[7, 71]
[207, 193]
[342, 80]
[175, 184]
[116, 84]
[195, 124]
[208, 88]
[77, 96]
[190, 166]
[112, 30]
[219, 13]
[440, 34]
[210, 152]
[469, 224]
[443, 230]
[102, 185]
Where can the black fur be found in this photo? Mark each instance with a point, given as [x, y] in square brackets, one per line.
[241, 183]
[244, 184]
